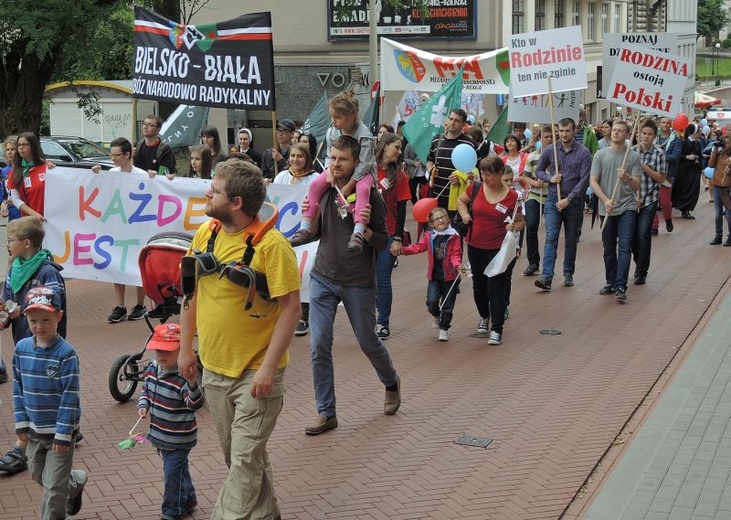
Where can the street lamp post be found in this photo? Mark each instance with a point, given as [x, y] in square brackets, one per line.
[716, 55]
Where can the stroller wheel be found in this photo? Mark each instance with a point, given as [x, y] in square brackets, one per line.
[123, 377]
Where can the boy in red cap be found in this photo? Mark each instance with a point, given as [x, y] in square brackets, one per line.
[171, 401]
[47, 409]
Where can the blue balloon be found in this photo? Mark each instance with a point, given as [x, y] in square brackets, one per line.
[706, 129]
[464, 157]
[528, 134]
[538, 145]
[704, 122]
[708, 172]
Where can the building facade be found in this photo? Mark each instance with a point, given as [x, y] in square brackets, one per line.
[309, 60]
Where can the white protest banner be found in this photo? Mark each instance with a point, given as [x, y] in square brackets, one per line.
[409, 68]
[649, 80]
[556, 53]
[289, 201]
[472, 104]
[98, 227]
[612, 43]
[537, 109]
[97, 224]
[408, 105]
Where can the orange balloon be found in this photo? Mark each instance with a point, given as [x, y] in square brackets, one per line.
[423, 207]
[681, 122]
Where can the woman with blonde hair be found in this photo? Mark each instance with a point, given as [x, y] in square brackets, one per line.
[7, 209]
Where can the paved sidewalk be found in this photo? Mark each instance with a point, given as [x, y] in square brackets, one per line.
[552, 405]
[678, 466]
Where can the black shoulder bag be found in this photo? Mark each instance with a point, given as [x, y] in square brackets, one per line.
[457, 223]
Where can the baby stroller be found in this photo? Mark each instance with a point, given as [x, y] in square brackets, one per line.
[159, 263]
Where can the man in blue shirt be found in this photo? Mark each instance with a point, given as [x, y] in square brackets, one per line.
[570, 178]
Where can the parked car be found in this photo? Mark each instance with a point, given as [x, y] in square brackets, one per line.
[74, 152]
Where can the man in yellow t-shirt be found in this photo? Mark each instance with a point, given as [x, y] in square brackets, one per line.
[243, 351]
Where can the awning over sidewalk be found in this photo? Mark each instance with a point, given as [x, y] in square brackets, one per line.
[705, 101]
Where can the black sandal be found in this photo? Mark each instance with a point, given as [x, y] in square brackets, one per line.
[13, 462]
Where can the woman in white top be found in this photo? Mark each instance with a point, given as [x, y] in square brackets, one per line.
[513, 156]
[120, 151]
[300, 172]
[300, 167]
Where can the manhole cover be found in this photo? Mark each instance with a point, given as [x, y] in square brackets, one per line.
[471, 440]
[550, 332]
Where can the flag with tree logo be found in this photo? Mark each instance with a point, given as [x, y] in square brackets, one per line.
[428, 121]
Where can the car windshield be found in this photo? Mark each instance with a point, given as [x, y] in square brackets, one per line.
[85, 149]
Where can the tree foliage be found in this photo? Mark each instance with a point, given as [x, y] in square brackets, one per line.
[34, 43]
[64, 40]
[712, 17]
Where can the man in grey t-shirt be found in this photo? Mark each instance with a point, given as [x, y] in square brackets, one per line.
[620, 207]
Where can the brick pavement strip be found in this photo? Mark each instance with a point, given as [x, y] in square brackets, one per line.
[551, 404]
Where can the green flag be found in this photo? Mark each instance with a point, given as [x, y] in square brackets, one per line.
[318, 121]
[500, 129]
[372, 115]
[428, 122]
[184, 126]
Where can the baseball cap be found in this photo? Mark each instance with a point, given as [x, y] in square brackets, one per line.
[286, 124]
[165, 337]
[43, 298]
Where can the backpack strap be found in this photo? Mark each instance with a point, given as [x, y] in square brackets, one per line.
[475, 190]
[476, 187]
[215, 227]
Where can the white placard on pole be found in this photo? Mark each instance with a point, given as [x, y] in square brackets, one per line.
[661, 42]
[649, 80]
[558, 53]
[537, 108]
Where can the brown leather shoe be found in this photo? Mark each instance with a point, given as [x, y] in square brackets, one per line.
[393, 399]
[321, 425]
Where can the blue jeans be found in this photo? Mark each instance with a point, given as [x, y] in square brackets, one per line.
[620, 229]
[721, 211]
[384, 296]
[569, 217]
[359, 303]
[179, 491]
[532, 222]
[440, 291]
[642, 243]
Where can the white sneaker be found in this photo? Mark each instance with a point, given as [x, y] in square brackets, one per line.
[436, 322]
[443, 335]
[495, 338]
[482, 327]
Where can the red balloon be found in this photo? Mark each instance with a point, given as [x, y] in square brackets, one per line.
[681, 122]
[423, 207]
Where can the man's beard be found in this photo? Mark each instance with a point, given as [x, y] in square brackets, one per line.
[219, 214]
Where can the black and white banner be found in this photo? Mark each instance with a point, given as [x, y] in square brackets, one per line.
[226, 64]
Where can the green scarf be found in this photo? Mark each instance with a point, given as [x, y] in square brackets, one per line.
[23, 269]
[26, 167]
